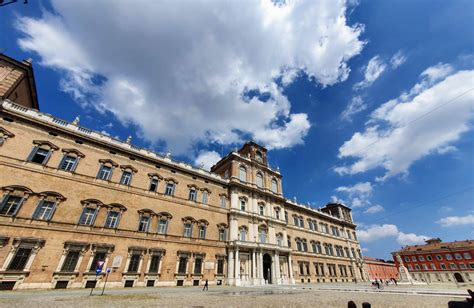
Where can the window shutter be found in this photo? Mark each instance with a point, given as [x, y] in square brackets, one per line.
[4, 201]
[18, 207]
[81, 219]
[98, 173]
[110, 174]
[75, 164]
[48, 156]
[95, 215]
[62, 161]
[33, 152]
[118, 220]
[38, 209]
[52, 211]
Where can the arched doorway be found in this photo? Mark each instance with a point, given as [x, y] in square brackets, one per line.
[458, 277]
[267, 268]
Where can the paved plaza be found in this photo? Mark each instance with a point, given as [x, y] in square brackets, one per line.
[310, 295]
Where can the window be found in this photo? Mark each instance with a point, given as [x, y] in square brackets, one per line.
[471, 265]
[421, 258]
[197, 266]
[296, 220]
[126, 178]
[20, 259]
[223, 203]
[305, 245]
[192, 194]
[299, 245]
[439, 257]
[243, 174]
[289, 241]
[467, 255]
[286, 216]
[261, 209]
[407, 259]
[202, 232]
[457, 256]
[68, 163]
[301, 222]
[154, 264]
[274, 186]
[433, 266]
[277, 213]
[258, 156]
[462, 266]
[453, 266]
[10, 205]
[259, 180]
[318, 248]
[183, 262]
[279, 240]
[243, 234]
[429, 258]
[88, 216]
[417, 267]
[413, 258]
[220, 266]
[410, 267]
[112, 219]
[448, 257]
[242, 204]
[162, 226]
[188, 229]
[153, 185]
[262, 235]
[222, 235]
[134, 263]
[143, 223]
[39, 156]
[313, 246]
[442, 266]
[70, 261]
[105, 173]
[204, 197]
[98, 256]
[44, 210]
[425, 267]
[169, 191]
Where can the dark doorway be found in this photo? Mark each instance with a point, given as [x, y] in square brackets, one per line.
[267, 268]
[458, 277]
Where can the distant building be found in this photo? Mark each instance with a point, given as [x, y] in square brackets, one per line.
[438, 262]
[380, 269]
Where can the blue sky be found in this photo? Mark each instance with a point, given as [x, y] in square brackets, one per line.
[368, 102]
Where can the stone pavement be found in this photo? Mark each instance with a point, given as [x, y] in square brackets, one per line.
[307, 295]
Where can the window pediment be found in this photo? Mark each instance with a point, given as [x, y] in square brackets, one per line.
[108, 162]
[171, 180]
[52, 194]
[155, 176]
[193, 186]
[18, 190]
[45, 144]
[146, 212]
[75, 152]
[188, 219]
[165, 215]
[128, 168]
[203, 222]
[94, 202]
[5, 133]
[117, 206]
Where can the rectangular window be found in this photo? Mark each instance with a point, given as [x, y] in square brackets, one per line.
[154, 264]
[98, 256]
[442, 266]
[202, 232]
[126, 178]
[182, 265]
[70, 261]
[220, 266]
[295, 221]
[162, 226]
[10, 205]
[112, 219]
[192, 195]
[68, 163]
[433, 266]
[453, 266]
[223, 205]
[204, 197]
[169, 191]
[462, 266]
[188, 230]
[39, 156]
[153, 185]
[197, 266]
[134, 263]
[105, 173]
[87, 216]
[222, 235]
[44, 210]
[143, 223]
[261, 210]
[242, 205]
[263, 237]
[20, 259]
[286, 216]
[448, 257]
[277, 214]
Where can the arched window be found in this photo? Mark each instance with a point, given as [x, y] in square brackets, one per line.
[222, 231]
[274, 185]
[243, 204]
[243, 174]
[261, 209]
[259, 180]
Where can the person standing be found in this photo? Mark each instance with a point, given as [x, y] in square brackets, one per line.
[206, 286]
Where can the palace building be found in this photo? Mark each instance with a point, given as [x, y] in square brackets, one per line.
[77, 206]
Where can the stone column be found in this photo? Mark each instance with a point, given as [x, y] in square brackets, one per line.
[234, 232]
[277, 268]
[254, 265]
[290, 270]
[271, 234]
[234, 200]
[260, 267]
[237, 267]
[230, 268]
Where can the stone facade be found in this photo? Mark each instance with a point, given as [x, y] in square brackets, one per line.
[73, 199]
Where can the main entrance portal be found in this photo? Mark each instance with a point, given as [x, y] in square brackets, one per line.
[267, 265]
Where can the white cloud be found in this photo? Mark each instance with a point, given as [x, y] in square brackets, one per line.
[377, 232]
[207, 159]
[374, 209]
[403, 130]
[361, 188]
[456, 221]
[180, 71]
[398, 59]
[373, 70]
[355, 106]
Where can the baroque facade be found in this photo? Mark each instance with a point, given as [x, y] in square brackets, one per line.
[72, 199]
